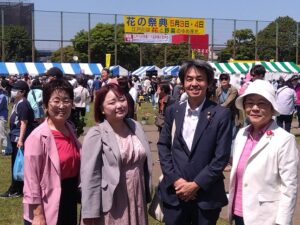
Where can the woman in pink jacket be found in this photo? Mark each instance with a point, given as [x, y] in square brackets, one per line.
[52, 162]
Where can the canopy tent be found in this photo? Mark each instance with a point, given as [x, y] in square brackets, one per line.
[282, 67]
[144, 69]
[19, 68]
[171, 70]
[231, 68]
[243, 68]
[118, 70]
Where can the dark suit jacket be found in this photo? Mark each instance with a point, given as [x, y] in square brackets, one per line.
[204, 164]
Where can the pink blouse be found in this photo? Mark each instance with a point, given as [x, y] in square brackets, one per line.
[249, 146]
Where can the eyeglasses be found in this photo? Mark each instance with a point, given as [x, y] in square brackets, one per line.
[262, 104]
[223, 78]
[57, 102]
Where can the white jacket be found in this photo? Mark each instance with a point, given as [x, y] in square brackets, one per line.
[269, 180]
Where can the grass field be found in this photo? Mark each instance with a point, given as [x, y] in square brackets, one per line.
[11, 208]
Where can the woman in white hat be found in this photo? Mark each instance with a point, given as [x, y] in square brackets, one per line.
[263, 179]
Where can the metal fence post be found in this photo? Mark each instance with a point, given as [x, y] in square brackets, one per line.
[165, 55]
[234, 41]
[256, 48]
[277, 33]
[189, 46]
[212, 41]
[297, 43]
[141, 55]
[32, 37]
[89, 38]
[2, 36]
[61, 38]
[116, 41]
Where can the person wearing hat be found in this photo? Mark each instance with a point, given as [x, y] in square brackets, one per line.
[263, 179]
[294, 83]
[21, 121]
[286, 99]
[192, 189]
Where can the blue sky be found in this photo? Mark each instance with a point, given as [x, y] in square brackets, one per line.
[240, 9]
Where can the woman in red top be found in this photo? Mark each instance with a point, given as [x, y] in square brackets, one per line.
[52, 165]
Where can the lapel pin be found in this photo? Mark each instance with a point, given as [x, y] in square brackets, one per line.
[208, 115]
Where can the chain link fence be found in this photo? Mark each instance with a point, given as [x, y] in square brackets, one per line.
[53, 30]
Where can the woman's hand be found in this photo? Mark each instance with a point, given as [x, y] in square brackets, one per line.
[39, 220]
[38, 215]
[20, 144]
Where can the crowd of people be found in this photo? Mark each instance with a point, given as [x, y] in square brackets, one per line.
[206, 127]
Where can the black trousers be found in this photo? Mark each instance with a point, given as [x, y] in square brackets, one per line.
[80, 111]
[67, 214]
[298, 114]
[16, 186]
[238, 220]
[189, 214]
[285, 121]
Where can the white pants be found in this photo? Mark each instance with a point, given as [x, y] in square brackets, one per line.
[3, 133]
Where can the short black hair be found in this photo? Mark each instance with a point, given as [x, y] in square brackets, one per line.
[198, 65]
[36, 84]
[56, 85]
[55, 72]
[258, 70]
[107, 70]
[224, 75]
[165, 87]
[80, 81]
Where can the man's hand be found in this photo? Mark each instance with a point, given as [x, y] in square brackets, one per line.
[186, 191]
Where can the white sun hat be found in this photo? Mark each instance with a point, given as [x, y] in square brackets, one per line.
[262, 88]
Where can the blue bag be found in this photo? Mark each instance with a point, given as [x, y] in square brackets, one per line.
[18, 170]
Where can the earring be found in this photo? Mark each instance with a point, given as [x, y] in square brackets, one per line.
[103, 112]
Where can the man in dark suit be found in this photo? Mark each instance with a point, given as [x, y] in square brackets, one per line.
[194, 147]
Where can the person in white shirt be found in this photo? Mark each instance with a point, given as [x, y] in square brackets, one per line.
[81, 98]
[286, 99]
[133, 92]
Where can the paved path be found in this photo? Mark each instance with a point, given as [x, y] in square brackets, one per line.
[152, 134]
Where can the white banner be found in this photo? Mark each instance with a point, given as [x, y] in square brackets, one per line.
[148, 38]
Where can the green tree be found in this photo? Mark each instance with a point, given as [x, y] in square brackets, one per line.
[17, 44]
[244, 46]
[266, 40]
[102, 42]
[68, 54]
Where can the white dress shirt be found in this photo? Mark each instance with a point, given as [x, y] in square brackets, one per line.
[286, 99]
[190, 123]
